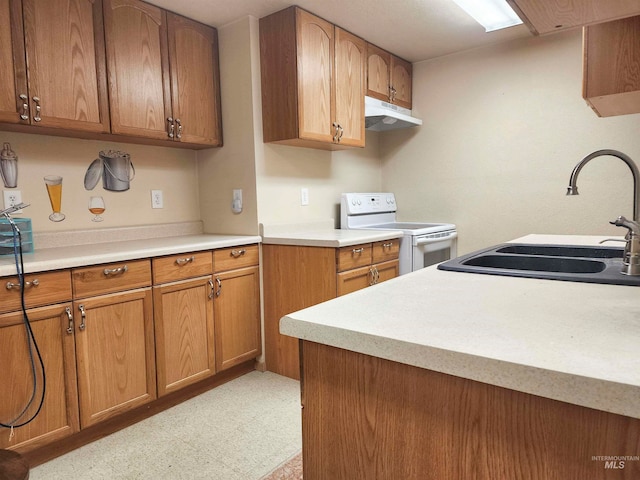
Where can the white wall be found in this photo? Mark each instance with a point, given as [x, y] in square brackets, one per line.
[503, 128]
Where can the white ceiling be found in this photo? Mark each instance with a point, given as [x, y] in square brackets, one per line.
[412, 29]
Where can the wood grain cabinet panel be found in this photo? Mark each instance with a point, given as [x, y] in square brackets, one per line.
[611, 76]
[13, 74]
[164, 79]
[312, 81]
[547, 16]
[297, 277]
[138, 68]
[42, 288]
[58, 417]
[64, 44]
[110, 277]
[183, 314]
[237, 316]
[182, 266]
[115, 354]
[235, 257]
[389, 77]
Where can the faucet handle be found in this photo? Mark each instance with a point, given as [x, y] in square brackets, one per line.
[633, 227]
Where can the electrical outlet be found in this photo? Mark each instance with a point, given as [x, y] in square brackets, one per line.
[11, 198]
[157, 200]
[304, 196]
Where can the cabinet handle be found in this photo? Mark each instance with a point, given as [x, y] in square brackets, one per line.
[335, 135]
[37, 117]
[70, 316]
[341, 132]
[392, 93]
[238, 253]
[115, 271]
[83, 317]
[179, 134]
[34, 283]
[219, 283]
[172, 127]
[357, 250]
[212, 288]
[387, 245]
[25, 107]
[183, 261]
[372, 276]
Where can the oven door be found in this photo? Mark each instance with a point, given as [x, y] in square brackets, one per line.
[431, 249]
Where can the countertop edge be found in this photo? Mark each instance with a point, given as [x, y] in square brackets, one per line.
[599, 394]
[57, 258]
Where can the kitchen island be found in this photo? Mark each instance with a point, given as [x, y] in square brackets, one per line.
[450, 375]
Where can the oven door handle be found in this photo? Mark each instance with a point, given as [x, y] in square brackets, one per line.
[427, 240]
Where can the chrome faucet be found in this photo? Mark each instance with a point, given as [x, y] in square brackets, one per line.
[631, 256]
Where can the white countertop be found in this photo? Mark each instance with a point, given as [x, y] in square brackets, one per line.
[569, 341]
[322, 234]
[79, 255]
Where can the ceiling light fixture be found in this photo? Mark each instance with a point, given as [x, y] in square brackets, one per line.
[491, 14]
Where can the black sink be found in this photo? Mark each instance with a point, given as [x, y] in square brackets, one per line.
[562, 251]
[538, 264]
[555, 262]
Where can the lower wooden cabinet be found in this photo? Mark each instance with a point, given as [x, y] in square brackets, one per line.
[115, 354]
[297, 277]
[237, 316]
[114, 337]
[183, 321]
[58, 417]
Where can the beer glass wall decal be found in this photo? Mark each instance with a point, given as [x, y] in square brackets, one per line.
[54, 189]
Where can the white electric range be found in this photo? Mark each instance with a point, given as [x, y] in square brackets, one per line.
[421, 245]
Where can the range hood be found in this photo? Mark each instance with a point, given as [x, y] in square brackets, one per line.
[380, 116]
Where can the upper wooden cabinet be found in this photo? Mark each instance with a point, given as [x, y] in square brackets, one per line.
[546, 16]
[388, 77]
[53, 64]
[163, 74]
[612, 67]
[313, 80]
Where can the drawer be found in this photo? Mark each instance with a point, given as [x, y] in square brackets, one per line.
[109, 278]
[354, 256]
[182, 266]
[236, 257]
[44, 288]
[386, 250]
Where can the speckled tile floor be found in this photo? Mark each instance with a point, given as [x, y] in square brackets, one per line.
[241, 430]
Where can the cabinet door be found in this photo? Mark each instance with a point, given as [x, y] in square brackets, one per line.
[401, 71]
[387, 270]
[137, 68]
[13, 79]
[350, 53]
[66, 64]
[315, 63]
[378, 72]
[58, 417]
[195, 81]
[237, 316]
[115, 354]
[183, 314]
[611, 77]
[353, 280]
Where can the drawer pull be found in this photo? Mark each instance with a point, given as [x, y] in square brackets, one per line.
[357, 250]
[34, 283]
[238, 253]
[211, 292]
[115, 271]
[183, 261]
[387, 245]
[219, 290]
